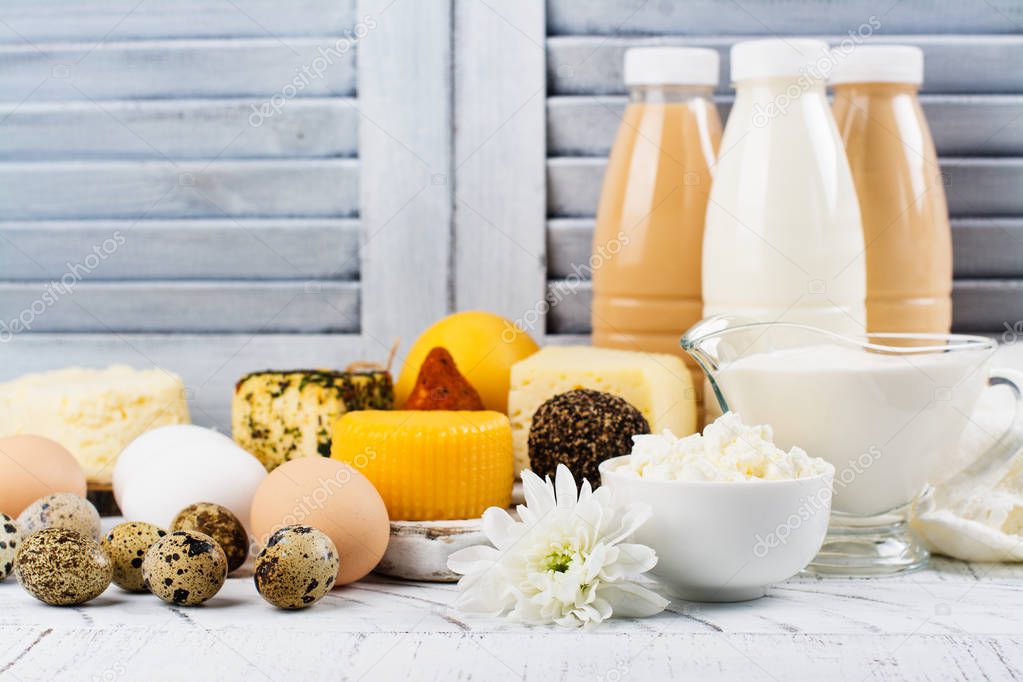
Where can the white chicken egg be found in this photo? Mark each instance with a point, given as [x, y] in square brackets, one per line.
[167, 469]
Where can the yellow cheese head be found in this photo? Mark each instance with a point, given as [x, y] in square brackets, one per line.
[484, 347]
[430, 465]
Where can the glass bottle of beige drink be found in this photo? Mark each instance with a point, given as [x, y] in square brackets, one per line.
[648, 240]
[900, 189]
[783, 240]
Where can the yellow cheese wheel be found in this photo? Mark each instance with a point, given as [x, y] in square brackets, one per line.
[484, 347]
[430, 465]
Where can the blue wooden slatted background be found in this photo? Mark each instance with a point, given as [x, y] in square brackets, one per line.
[207, 238]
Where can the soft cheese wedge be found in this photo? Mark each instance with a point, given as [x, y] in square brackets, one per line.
[94, 413]
[656, 384]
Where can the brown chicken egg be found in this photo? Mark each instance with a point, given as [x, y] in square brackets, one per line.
[333, 497]
[32, 467]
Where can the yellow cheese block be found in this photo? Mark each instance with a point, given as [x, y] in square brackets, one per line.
[656, 384]
[430, 465]
[94, 413]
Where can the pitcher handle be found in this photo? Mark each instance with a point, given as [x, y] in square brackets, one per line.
[990, 466]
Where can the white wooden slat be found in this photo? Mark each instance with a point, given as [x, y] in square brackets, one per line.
[592, 65]
[974, 186]
[987, 304]
[195, 189]
[980, 125]
[952, 621]
[243, 248]
[180, 306]
[209, 364]
[177, 129]
[978, 305]
[784, 17]
[251, 67]
[499, 156]
[405, 95]
[65, 20]
[991, 247]
[253, 649]
[982, 247]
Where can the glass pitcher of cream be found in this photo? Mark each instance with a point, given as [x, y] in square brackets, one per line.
[887, 410]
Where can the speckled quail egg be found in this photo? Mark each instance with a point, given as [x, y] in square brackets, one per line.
[185, 568]
[221, 525]
[297, 567]
[9, 538]
[61, 510]
[126, 544]
[61, 567]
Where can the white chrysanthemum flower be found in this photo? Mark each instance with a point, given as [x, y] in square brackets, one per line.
[566, 561]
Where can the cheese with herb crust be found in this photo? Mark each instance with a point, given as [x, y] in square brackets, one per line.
[283, 415]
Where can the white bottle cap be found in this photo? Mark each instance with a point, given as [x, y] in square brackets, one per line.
[878, 64]
[671, 66]
[780, 57]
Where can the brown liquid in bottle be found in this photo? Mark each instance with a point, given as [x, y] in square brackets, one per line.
[902, 201]
[649, 235]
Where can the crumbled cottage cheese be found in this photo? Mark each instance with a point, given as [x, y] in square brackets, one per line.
[728, 450]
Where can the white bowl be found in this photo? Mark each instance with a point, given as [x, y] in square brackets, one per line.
[723, 542]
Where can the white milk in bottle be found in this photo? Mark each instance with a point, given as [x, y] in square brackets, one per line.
[783, 236]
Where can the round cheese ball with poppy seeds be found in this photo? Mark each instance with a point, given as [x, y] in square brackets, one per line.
[580, 429]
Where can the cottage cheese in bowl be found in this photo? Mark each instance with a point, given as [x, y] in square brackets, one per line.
[727, 450]
[732, 512]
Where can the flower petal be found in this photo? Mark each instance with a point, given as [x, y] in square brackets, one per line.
[564, 487]
[538, 493]
[629, 600]
[632, 560]
[475, 558]
[483, 593]
[635, 516]
[500, 527]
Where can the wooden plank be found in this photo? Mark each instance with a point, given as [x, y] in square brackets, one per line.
[979, 125]
[406, 168]
[166, 189]
[774, 17]
[956, 621]
[982, 247]
[975, 186]
[991, 247]
[73, 305]
[245, 248]
[81, 20]
[209, 364]
[251, 67]
[178, 129]
[978, 305]
[499, 155]
[987, 305]
[255, 649]
[592, 65]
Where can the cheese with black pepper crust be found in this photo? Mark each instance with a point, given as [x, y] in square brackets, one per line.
[283, 415]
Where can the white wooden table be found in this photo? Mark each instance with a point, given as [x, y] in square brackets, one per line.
[953, 621]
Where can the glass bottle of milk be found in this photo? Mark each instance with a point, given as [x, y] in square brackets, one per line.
[783, 237]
